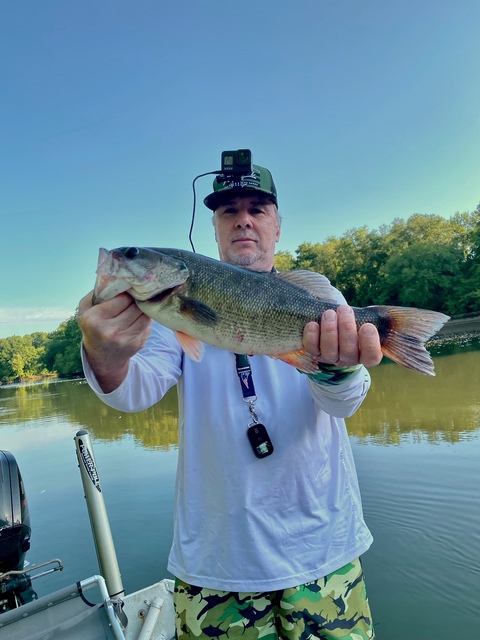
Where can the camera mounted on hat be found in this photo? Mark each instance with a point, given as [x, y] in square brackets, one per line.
[237, 177]
[235, 164]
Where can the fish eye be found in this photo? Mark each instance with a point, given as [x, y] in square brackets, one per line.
[132, 252]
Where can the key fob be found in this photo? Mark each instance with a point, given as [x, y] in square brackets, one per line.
[260, 440]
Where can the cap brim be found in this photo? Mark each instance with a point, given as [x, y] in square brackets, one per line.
[215, 199]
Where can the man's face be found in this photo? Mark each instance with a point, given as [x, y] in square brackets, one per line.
[246, 230]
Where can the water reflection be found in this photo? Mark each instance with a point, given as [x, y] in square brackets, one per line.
[441, 408]
[446, 407]
[420, 501]
[75, 403]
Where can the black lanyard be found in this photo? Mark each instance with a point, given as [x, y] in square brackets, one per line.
[257, 433]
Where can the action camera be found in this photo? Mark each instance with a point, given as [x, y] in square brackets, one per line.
[237, 163]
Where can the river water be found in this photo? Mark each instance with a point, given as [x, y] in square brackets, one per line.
[416, 442]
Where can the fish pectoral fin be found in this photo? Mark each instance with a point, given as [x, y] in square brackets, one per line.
[300, 359]
[191, 346]
[315, 283]
[199, 311]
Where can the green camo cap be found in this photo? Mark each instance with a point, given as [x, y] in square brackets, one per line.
[259, 180]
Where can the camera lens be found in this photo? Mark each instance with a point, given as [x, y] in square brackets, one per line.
[243, 157]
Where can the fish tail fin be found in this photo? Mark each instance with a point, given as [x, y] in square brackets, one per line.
[410, 328]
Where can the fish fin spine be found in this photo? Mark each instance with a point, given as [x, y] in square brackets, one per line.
[301, 360]
[315, 283]
[191, 346]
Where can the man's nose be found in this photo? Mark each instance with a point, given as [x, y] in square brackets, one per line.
[243, 220]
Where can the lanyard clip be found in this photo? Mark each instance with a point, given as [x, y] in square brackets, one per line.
[251, 407]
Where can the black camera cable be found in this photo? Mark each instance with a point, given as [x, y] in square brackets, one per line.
[209, 173]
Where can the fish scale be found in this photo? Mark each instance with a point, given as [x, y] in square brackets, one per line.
[262, 306]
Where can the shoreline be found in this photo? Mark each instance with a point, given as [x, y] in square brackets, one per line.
[461, 325]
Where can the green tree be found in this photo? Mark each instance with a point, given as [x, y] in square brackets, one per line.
[464, 228]
[470, 290]
[284, 261]
[62, 349]
[424, 275]
[19, 358]
[39, 338]
[352, 263]
[361, 256]
[365, 264]
[420, 228]
[321, 257]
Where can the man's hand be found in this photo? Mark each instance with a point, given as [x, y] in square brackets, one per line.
[336, 340]
[113, 332]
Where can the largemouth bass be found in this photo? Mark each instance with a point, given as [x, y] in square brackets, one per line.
[250, 312]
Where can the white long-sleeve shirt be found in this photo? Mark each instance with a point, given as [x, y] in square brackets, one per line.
[244, 523]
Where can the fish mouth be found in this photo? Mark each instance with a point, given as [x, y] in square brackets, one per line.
[164, 295]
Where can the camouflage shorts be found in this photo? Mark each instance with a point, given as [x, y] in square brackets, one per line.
[332, 608]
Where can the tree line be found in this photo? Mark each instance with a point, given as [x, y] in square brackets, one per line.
[425, 261]
[42, 354]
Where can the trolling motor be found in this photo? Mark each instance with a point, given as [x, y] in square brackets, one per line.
[15, 583]
[15, 530]
[14, 515]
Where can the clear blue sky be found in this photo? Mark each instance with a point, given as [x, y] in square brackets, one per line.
[363, 111]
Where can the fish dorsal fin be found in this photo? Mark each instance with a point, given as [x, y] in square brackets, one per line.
[315, 283]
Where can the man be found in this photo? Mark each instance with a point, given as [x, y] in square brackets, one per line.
[263, 548]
